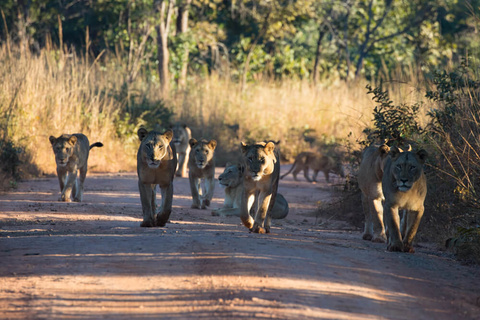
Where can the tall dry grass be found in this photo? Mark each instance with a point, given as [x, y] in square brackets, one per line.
[55, 92]
[58, 91]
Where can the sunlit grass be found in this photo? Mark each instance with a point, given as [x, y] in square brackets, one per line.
[54, 92]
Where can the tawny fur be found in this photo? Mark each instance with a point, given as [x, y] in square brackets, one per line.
[232, 180]
[156, 165]
[201, 168]
[71, 155]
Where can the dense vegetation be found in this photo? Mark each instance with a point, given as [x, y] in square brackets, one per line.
[235, 70]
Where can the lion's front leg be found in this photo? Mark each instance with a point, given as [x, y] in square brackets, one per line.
[78, 190]
[376, 213]
[263, 203]
[194, 186]
[182, 165]
[248, 198]
[390, 215]
[413, 221]
[70, 184]
[147, 197]
[209, 188]
[166, 208]
[367, 210]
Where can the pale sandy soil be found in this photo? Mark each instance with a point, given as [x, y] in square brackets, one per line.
[91, 260]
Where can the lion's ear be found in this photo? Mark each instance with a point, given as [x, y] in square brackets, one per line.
[269, 147]
[243, 147]
[192, 142]
[72, 140]
[168, 135]
[422, 155]
[213, 144]
[142, 133]
[384, 149]
[52, 140]
[395, 152]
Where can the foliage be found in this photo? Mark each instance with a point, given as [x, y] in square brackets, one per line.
[369, 38]
[466, 244]
[9, 159]
[396, 124]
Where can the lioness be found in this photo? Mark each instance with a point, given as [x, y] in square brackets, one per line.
[156, 164]
[317, 162]
[232, 180]
[201, 166]
[369, 179]
[260, 181]
[181, 137]
[71, 154]
[405, 187]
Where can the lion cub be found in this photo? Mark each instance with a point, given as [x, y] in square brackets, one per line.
[156, 165]
[71, 154]
[317, 162]
[404, 186]
[232, 180]
[201, 166]
[262, 172]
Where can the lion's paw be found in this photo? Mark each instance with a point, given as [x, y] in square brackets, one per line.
[147, 224]
[408, 248]
[397, 247]
[379, 239]
[367, 237]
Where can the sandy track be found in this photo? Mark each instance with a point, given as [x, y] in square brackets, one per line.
[91, 260]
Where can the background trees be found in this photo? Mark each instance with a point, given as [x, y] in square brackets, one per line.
[250, 40]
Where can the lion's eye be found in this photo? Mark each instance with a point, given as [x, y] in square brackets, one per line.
[262, 160]
[413, 168]
[398, 167]
[67, 149]
[206, 151]
[250, 159]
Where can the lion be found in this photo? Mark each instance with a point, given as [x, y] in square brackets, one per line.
[232, 180]
[201, 167]
[317, 162]
[404, 186]
[260, 184]
[369, 179]
[181, 138]
[156, 165]
[71, 155]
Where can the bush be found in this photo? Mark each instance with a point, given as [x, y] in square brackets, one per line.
[9, 163]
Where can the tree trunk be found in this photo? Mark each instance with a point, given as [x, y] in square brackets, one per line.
[162, 45]
[321, 34]
[182, 27]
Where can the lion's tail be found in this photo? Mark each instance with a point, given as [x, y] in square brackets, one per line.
[96, 144]
[293, 167]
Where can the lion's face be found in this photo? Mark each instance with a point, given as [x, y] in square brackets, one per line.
[202, 151]
[259, 159]
[180, 134]
[154, 146]
[232, 175]
[63, 147]
[407, 167]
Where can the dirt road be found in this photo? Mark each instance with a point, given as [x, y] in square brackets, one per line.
[91, 260]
